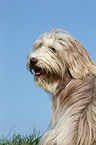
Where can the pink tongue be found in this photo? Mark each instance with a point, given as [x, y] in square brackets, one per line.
[38, 73]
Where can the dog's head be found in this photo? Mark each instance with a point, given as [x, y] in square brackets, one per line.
[57, 57]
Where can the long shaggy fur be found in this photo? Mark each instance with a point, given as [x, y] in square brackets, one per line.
[63, 67]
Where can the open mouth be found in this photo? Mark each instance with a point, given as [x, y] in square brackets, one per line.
[36, 70]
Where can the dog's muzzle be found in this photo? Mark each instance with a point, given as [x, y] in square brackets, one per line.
[33, 67]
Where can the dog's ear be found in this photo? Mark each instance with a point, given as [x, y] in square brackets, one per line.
[78, 60]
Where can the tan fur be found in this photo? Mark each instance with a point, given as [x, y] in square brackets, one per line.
[69, 75]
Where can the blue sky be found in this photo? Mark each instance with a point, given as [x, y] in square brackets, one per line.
[22, 103]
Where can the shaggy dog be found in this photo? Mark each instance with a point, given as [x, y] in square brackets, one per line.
[63, 67]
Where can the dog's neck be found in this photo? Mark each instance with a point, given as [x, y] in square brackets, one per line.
[56, 95]
[60, 85]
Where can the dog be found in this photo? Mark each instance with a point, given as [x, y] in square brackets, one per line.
[63, 67]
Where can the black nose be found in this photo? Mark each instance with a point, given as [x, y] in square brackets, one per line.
[33, 61]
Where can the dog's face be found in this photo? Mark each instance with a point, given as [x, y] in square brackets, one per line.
[57, 57]
[45, 63]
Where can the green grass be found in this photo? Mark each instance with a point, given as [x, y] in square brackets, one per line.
[32, 139]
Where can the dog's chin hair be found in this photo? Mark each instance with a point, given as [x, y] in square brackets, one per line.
[46, 84]
[72, 85]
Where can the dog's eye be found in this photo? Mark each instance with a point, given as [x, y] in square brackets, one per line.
[53, 49]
